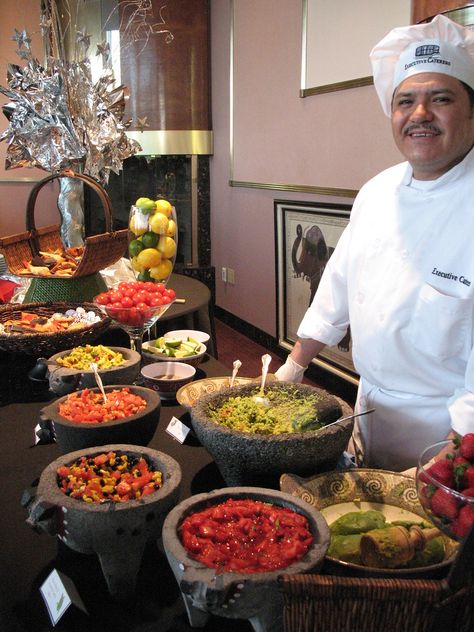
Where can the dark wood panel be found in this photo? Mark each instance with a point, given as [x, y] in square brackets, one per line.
[422, 9]
[169, 82]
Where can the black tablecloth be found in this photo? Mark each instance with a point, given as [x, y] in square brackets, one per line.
[28, 557]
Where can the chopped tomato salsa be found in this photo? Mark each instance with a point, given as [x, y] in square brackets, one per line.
[109, 477]
[246, 536]
[88, 406]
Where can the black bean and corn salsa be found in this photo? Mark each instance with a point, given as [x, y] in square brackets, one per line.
[110, 476]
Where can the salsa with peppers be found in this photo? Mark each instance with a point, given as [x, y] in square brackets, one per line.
[88, 406]
[109, 477]
[246, 536]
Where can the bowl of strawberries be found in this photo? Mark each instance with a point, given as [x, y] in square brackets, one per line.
[445, 485]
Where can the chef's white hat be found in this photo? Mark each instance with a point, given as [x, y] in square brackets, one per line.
[441, 46]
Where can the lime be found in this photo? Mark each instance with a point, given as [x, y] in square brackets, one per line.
[149, 258]
[134, 247]
[144, 276]
[167, 247]
[172, 342]
[149, 239]
[159, 223]
[163, 206]
[145, 205]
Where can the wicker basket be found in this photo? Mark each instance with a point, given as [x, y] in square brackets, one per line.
[100, 250]
[323, 603]
[45, 344]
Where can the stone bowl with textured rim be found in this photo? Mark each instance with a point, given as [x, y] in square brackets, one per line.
[137, 429]
[64, 380]
[246, 458]
[254, 596]
[116, 532]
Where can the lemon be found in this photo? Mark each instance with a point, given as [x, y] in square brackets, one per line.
[167, 247]
[138, 224]
[135, 265]
[162, 271]
[145, 205]
[135, 247]
[149, 258]
[163, 206]
[159, 223]
[149, 239]
[171, 232]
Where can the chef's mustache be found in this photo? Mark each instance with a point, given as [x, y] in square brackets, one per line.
[423, 127]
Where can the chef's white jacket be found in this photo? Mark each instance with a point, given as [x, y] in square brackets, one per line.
[402, 275]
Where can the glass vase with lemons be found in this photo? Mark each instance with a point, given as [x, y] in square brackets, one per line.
[153, 239]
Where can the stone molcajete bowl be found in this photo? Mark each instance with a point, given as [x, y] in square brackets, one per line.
[64, 380]
[116, 532]
[246, 458]
[233, 595]
[72, 435]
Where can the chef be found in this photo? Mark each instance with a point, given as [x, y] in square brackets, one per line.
[402, 274]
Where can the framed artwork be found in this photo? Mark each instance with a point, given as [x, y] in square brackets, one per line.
[306, 234]
[337, 37]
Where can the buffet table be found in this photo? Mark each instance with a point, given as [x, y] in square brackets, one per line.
[29, 557]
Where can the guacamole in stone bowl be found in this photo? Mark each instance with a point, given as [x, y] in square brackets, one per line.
[254, 444]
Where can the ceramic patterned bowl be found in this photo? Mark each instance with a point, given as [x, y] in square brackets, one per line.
[189, 395]
[394, 494]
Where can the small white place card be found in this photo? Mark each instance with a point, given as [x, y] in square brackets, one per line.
[58, 593]
[177, 429]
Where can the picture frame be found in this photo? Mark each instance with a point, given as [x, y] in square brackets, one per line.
[306, 234]
[336, 39]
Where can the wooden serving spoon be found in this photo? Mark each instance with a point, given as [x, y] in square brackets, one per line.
[393, 546]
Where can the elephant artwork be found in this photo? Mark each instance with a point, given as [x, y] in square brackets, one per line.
[309, 256]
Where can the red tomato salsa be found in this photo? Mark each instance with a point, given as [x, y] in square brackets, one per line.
[109, 477]
[246, 536]
[88, 406]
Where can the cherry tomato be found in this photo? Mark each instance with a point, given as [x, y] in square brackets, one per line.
[127, 301]
[171, 293]
[150, 286]
[156, 300]
[103, 299]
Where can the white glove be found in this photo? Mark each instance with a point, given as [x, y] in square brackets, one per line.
[291, 371]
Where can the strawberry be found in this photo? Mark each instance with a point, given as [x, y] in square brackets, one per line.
[469, 491]
[442, 471]
[461, 526]
[468, 478]
[444, 505]
[466, 449]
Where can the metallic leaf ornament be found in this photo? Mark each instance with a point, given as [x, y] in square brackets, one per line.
[58, 116]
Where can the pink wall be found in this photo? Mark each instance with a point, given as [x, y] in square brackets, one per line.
[15, 184]
[338, 140]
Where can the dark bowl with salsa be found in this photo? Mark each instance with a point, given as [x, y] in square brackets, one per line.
[81, 419]
[227, 549]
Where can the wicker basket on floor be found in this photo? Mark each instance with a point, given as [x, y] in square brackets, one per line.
[100, 251]
[46, 344]
[325, 603]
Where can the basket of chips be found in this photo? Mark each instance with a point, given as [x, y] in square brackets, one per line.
[42, 329]
[40, 253]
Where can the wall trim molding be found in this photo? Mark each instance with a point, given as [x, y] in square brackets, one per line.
[301, 188]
